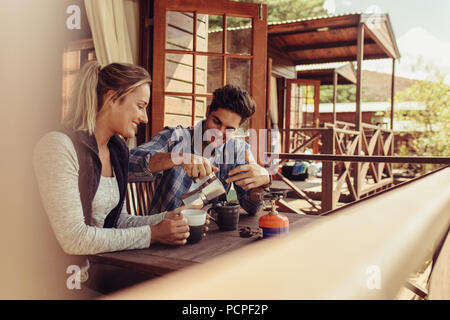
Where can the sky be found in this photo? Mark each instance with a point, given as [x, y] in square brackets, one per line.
[421, 27]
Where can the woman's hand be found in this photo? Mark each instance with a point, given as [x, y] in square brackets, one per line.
[176, 212]
[170, 231]
[175, 215]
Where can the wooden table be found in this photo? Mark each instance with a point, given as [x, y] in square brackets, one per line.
[161, 259]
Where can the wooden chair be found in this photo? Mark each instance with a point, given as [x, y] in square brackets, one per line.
[140, 192]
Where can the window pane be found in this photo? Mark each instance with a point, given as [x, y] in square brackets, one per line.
[178, 111]
[209, 33]
[179, 30]
[200, 108]
[179, 73]
[238, 73]
[239, 35]
[209, 73]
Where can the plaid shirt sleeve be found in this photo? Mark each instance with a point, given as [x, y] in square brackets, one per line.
[141, 155]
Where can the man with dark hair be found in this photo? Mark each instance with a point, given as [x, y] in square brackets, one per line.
[181, 159]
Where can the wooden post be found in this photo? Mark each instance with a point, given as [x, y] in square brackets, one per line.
[392, 151]
[360, 56]
[146, 60]
[316, 114]
[335, 82]
[392, 93]
[287, 119]
[259, 74]
[281, 87]
[268, 106]
[328, 196]
[159, 59]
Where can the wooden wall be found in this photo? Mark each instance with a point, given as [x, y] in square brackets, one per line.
[282, 65]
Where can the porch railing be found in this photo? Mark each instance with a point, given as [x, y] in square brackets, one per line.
[366, 250]
[362, 164]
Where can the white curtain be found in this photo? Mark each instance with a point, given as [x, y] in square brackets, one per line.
[115, 32]
[273, 103]
[115, 29]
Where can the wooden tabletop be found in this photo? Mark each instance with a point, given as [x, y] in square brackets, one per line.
[161, 259]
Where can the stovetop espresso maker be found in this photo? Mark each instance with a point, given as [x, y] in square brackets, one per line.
[208, 191]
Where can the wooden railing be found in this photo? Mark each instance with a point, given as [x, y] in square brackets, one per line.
[359, 178]
[366, 250]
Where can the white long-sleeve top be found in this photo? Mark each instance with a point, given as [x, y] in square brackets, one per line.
[56, 166]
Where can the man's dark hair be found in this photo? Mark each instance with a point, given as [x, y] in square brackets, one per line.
[234, 99]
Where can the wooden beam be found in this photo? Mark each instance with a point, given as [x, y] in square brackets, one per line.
[326, 45]
[349, 158]
[299, 192]
[337, 59]
[285, 206]
[311, 27]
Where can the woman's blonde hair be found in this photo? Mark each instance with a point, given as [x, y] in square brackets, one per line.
[92, 83]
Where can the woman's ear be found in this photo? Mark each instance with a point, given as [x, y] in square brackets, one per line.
[108, 97]
[109, 94]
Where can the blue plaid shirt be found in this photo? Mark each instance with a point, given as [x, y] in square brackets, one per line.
[171, 184]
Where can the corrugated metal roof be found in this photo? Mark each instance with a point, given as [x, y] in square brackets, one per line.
[366, 107]
[320, 66]
[273, 23]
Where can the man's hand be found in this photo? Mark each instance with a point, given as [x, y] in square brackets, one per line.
[249, 176]
[197, 166]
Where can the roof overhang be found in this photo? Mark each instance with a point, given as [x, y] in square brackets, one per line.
[334, 39]
[325, 72]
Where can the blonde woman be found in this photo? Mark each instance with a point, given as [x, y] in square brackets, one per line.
[82, 168]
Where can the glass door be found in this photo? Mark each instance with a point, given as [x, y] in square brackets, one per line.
[199, 46]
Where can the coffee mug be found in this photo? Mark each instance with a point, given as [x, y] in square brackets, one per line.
[227, 216]
[196, 220]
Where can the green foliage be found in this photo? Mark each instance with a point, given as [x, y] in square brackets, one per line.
[345, 94]
[432, 134]
[279, 10]
[282, 10]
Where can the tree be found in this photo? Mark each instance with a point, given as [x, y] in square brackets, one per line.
[345, 94]
[430, 125]
[279, 10]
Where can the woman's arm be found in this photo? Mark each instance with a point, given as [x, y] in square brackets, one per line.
[127, 220]
[56, 167]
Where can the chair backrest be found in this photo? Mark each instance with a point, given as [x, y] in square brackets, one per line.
[140, 192]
